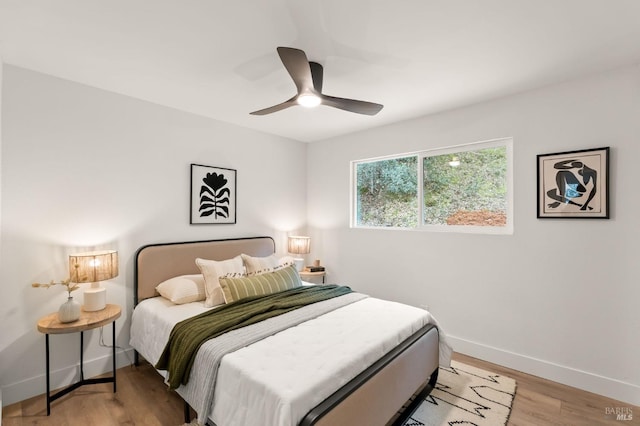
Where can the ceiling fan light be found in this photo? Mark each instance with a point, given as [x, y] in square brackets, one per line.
[308, 100]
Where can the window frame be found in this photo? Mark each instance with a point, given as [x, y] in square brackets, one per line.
[506, 142]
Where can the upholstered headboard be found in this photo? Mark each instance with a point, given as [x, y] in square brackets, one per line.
[155, 263]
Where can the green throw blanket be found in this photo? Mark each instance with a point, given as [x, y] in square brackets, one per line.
[187, 336]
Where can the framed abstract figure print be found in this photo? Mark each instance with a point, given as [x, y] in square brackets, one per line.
[574, 184]
[213, 195]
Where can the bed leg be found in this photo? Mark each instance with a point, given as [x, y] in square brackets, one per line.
[136, 358]
[434, 379]
[187, 413]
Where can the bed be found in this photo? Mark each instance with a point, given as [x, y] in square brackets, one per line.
[375, 387]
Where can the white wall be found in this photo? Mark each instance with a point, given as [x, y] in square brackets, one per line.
[84, 168]
[558, 298]
[1, 82]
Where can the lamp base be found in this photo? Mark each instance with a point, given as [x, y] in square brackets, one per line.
[95, 299]
[299, 263]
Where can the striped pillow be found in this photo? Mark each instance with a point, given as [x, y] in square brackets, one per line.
[263, 265]
[235, 289]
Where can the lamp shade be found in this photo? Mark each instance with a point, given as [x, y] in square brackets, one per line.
[299, 245]
[93, 266]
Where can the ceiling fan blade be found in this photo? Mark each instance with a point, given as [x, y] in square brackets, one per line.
[308, 78]
[352, 105]
[317, 73]
[286, 104]
[297, 64]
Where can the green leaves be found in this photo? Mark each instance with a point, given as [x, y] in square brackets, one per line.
[387, 192]
[472, 181]
[477, 184]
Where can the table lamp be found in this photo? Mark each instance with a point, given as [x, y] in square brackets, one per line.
[92, 267]
[299, 245]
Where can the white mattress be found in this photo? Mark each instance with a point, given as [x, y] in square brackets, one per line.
[154, 318]
[152, 322]
[260, 384]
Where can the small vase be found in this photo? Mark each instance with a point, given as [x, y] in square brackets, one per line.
[69, 311]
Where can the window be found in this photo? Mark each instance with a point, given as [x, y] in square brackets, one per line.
[387, 193]
[464, 189]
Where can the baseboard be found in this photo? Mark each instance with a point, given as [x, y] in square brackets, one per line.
[611, 388]
[37, 385]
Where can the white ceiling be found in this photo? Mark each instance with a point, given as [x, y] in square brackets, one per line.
[218, 58]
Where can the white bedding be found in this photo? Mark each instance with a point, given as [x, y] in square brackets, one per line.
[260, 384]
[152, 322]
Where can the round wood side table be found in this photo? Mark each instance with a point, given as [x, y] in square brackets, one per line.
[50, 324]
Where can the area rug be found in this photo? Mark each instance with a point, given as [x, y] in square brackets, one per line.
[465, 395]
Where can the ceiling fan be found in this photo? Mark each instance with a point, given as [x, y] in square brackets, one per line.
[307, 77]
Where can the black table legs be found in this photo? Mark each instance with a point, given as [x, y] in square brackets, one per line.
[83, 381]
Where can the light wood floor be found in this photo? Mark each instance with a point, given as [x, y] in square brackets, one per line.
[543, 402]
[142, 399]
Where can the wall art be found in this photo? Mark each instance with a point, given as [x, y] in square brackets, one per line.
[213, 195]
[574, 184]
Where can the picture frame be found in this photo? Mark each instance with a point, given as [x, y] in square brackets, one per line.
[213, 195]
[573, 184]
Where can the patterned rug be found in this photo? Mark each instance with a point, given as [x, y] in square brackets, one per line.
[465, 395]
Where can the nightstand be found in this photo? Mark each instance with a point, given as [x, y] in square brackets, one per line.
[88, 320]
[313, 277]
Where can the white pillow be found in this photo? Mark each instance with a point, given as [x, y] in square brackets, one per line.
[263, 265]
[183, 289]
[212, 271]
